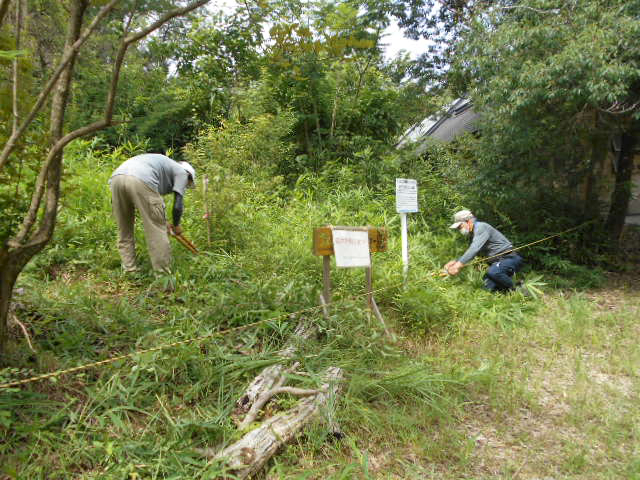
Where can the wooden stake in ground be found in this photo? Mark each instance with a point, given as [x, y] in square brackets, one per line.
[207, 213]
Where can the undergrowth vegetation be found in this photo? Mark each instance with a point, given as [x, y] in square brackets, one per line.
[148, 416]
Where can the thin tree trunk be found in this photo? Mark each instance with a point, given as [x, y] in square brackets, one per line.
[307, 140]
[4, 8]
[334, 112]
[16, 83]
[16, 67]
[317, 116]
[598, 154]
[622, 191]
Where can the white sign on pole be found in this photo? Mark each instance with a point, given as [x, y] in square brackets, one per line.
[406, 202]
[351, 248]
[406, 195]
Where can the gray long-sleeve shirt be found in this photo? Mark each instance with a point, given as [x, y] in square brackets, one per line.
[158, 171]
[486, 240]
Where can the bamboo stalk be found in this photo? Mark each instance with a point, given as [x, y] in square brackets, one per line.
[207, 213]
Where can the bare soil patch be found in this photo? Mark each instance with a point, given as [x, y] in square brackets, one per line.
[568, 423]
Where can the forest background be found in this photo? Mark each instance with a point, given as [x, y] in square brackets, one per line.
[294, 114]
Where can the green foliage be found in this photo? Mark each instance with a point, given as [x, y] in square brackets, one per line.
[173, 85]
[149, 415]
[549, 102]
[309, 143]
[240, 162]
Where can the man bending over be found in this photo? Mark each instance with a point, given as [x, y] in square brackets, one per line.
[139, 183]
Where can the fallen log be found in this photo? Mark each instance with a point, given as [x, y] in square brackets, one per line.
[273, 376]
[249, 454]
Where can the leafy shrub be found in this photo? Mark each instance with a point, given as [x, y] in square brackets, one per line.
[240, 161]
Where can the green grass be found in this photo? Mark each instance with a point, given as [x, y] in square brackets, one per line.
[474, 386]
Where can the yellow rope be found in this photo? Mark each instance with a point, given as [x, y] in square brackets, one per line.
[247, 326]
[147, 350]
[529, 244]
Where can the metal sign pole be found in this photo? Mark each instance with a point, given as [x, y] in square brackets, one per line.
[406, 202]
[405, 246]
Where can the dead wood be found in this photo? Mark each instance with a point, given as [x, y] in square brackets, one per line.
[273, 376]
[248, 455]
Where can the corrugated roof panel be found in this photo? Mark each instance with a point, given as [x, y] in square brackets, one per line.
[455, 126]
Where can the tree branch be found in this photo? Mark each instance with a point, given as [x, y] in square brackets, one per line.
[537, 10]
[49, 217]
[44, 94]
[25, 332]
[265, 396]
[619, 108]
[164, 19]
[16, 66]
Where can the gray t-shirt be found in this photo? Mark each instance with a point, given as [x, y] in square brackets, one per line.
[486, 240]
[158, 171]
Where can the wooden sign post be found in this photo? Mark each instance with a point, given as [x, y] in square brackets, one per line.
[207, 213]
[323, 245]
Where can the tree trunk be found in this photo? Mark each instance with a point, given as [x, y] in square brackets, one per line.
[8, 278]
[622, 191]
[11, 264]
[598, 153]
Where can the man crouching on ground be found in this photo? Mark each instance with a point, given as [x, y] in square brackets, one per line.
[139, 183]
[491, 243]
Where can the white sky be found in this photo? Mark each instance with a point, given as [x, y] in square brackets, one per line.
[395, 42]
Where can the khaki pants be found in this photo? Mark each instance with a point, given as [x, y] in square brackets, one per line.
[129, 193]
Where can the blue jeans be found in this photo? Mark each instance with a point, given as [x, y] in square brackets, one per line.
[498, 277]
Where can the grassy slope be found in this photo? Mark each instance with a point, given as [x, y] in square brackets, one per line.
[477, 386]
[551, 397]
[552, 394]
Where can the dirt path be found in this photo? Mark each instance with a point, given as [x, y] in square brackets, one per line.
[566, 401]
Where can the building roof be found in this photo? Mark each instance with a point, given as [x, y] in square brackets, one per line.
[459, 118]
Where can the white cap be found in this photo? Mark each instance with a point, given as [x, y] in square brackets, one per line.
[460, 217]
[187, 166]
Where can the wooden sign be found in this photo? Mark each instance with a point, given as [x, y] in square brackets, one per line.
[323, 239]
